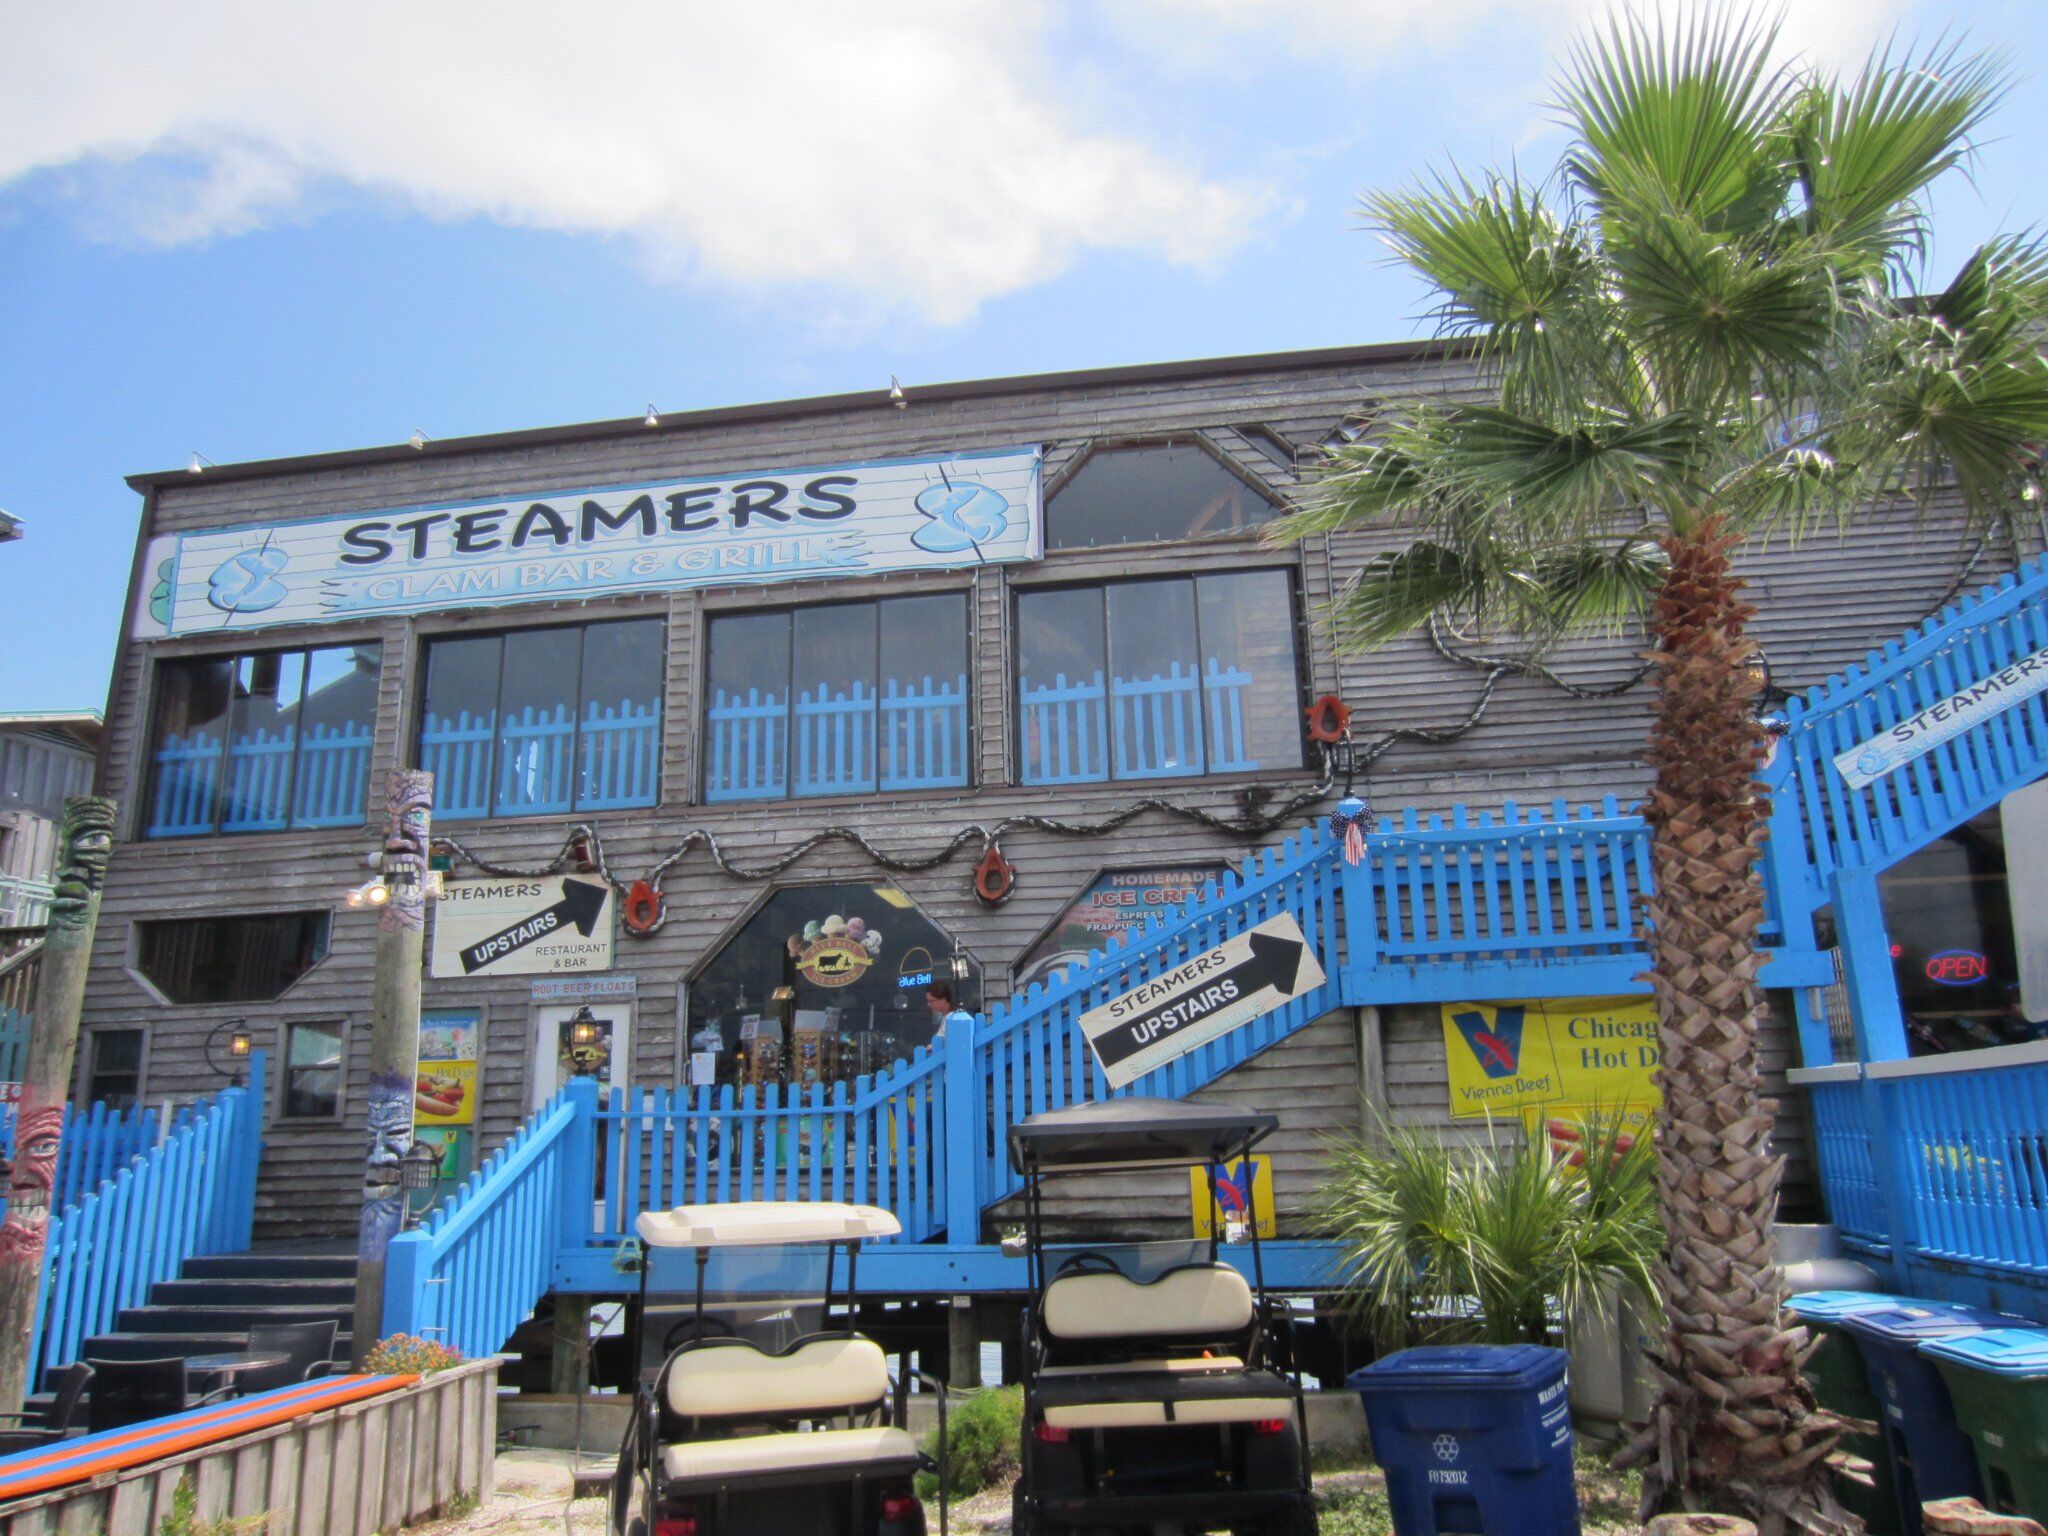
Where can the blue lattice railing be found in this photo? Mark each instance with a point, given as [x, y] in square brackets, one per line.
[263, 781]
[910, 735]
[1171, 725]
[542, 760]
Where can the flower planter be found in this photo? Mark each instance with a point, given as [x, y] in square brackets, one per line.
[367, 1466]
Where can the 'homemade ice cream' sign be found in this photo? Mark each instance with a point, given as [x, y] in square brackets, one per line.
[936, 513]
[1210, 995]
[1916, 735]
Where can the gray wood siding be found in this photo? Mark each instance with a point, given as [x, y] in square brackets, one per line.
[1825, 602]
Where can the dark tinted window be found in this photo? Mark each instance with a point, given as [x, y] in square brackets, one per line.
[241, 959]
[845, 698]
[544, 720]
[114, 1069]
[262, 742]
[1158, 679]
[1148, 494]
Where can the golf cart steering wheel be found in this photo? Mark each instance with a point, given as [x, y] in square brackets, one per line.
[1087, 1263]
[694, 1327]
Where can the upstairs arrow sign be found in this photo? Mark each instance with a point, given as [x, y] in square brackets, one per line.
[1200, 999]
[581, 904]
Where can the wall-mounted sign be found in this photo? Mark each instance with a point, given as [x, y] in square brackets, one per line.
[937, 513]
[835, 951]
[1917, 735]
[1210, 995]
[1114, 905]
[583, 989]
[1242, 1190]
[444, 1091]
[1506, 1058]
[492, 927]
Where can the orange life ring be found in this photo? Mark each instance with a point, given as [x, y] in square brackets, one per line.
[993, 877]
[1329, 719]
[644, 905]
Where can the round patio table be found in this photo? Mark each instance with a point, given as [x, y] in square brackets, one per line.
[227, 1366]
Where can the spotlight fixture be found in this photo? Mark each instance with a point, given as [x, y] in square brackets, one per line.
[419, 439]
[199, 462]
[896, 395]
[373, 892]
[652, 418]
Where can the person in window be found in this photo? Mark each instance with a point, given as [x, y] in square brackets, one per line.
[938, 996]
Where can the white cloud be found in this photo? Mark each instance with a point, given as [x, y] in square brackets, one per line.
[901, 154]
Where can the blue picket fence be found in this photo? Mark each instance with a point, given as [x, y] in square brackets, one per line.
[264, 781]
[909, 735]
[1171, 725]
[194, 1193]
[97, 1142]
[542, 760]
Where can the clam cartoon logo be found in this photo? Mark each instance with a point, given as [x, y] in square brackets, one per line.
[1498, 1045]
[246, 582]
[964, 514]
[1871, 761]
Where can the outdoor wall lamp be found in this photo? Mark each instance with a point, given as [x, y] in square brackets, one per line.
[419, 1170]
[584, 1028]
[238, 1047]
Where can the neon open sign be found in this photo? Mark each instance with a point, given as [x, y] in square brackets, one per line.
[1957, 968]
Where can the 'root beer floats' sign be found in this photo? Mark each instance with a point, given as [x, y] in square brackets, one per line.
[1210, 995]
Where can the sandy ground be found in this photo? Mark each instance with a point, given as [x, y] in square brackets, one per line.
[532, 1498]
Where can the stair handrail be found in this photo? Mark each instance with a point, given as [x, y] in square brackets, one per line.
[192, 1194]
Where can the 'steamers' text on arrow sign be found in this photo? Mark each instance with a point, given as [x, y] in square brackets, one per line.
[1193, 1003]
[522, 927]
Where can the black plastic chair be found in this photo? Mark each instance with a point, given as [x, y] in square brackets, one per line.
[308, 1346]
[128, 1392]
[55, 1422]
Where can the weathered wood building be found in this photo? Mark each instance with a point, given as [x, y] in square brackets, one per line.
[711, 635]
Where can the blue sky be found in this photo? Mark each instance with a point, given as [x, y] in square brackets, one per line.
[255, 230]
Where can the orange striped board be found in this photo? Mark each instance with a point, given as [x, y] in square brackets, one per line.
[114, 1450]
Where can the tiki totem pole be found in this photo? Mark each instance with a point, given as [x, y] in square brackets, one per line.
[394, 1042]
[88, 839]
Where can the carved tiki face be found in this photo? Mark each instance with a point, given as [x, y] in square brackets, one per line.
[87, 843]
[390, 1117]
[37, 1131]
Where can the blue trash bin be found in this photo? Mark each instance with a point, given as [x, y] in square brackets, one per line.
[1474, 1438]
[1931, 1456]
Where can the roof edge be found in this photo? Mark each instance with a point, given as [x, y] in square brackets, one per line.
[777, 410]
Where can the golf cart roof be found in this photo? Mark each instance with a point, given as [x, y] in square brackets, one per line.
[1134, 1133]
[758, 1223]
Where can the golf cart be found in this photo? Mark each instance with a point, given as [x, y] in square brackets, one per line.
[1156, 1385]
[758, 1413]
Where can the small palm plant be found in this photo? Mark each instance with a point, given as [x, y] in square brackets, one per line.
[1430, 1231]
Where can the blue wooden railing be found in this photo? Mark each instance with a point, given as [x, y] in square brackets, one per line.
[1170, 725]
[264, 781]
[545, 760]
[194, 1193]
[911, 735]
[97, 1143]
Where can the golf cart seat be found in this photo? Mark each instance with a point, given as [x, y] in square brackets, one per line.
[1196, 1302]
[877, 1450]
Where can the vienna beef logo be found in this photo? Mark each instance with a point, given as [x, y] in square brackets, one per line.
[1496, 1043]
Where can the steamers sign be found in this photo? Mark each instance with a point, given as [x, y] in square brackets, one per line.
[935, 513]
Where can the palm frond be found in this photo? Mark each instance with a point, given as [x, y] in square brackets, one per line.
[1600, 586]
[1557, 482]
[1391, 594]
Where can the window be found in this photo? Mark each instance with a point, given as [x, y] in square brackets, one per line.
[544, 720]
[114, 1067]
[248, 958]
[259, 743]
[1158, 679]
[1149, 494]
[835, 700]
[312, 1071]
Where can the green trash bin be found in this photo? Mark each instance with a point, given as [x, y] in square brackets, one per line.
[1999, 1383]
[1840, 1382]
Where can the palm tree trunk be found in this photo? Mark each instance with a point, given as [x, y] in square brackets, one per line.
[1735, 1429]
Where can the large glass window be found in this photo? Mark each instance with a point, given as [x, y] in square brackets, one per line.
[262, 742]
[544, 720]
[312, 1071]
[1158, 679]
[1149, 494]
[843, 699]
[1947, 910]
[246, 958]
[825, 983]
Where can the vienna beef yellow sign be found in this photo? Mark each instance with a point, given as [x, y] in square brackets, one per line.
[1510, 1058]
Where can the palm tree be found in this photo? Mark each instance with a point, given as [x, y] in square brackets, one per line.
[1703, 324]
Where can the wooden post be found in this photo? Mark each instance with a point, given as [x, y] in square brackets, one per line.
[963, 1346]
[569, 1374]
[87, 841]
[394, 1043]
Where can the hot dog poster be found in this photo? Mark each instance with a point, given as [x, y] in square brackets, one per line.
[1507, 1058]
[444, 1092]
